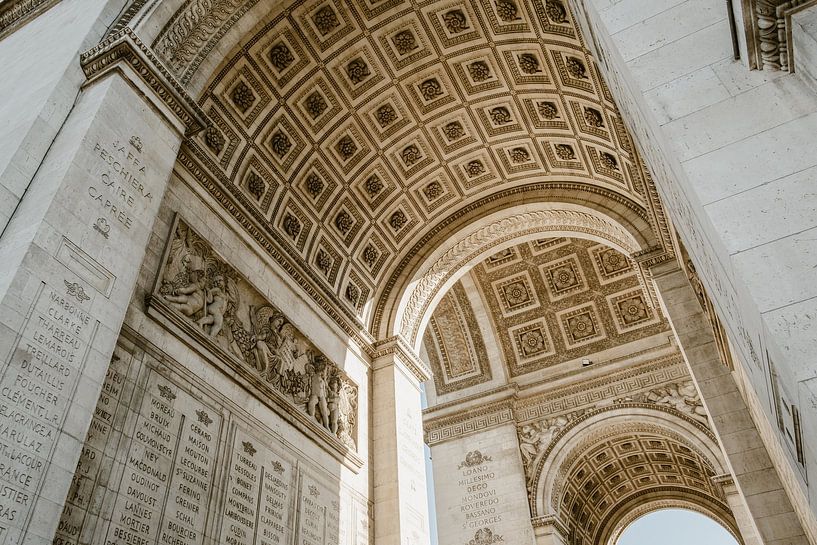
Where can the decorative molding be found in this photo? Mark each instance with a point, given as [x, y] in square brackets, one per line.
[495, 233]
[124, 20]
[454, 427]
[769, 36]
[125, 47]
[211, 302]
[605, 389]
[454, 344]
[194, 30]
[552, 403]
[397, 347]
[16, 13]
[543, 521]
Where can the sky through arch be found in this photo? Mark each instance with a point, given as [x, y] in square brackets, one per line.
[675, 527]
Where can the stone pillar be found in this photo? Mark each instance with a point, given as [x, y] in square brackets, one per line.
[755, 474]
[70, 258]
[549, 531]
[746, 526]
[479, 485]
[400, 502]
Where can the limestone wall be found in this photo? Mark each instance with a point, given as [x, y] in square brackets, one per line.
[731, 150]
[182, 445]
[41, 79]
[480, 489]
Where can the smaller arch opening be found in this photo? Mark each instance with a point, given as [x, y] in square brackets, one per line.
[675, 527]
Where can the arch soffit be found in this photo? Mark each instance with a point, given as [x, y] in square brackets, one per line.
[609, 422]
[455, 254]
[197, 39]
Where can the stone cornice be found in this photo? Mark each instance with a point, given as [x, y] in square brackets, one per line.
[16, 13]
[504, 391]
[725, 480]
[769, 34]
[397, 347]
[652, 256]
[550, 521]
[124, 47]
[516, 408]
[446, 428]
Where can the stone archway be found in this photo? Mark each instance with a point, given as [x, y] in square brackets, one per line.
[609, 464]
[506, 228]
[318, 147]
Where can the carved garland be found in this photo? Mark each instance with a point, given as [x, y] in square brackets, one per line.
[194, 30]
[209, 299]
[496, 233]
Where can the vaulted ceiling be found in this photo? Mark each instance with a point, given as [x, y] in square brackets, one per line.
[541, 303]
[347, 136]
[607, 476]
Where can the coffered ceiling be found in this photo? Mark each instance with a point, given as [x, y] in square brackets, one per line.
[543, 302]
[348, 134]
[617, 470]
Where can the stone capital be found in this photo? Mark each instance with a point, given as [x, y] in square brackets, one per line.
[549, 529]
[651, 257]
[124, 52]
[663, 268]
[397, 349]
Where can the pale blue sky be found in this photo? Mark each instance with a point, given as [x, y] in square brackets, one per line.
[675, 527]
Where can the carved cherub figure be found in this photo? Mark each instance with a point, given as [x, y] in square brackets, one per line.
[333, 403]
[190, 299]
[317, 392]
[217, 301]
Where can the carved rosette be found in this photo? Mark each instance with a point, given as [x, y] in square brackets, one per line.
[220, 309]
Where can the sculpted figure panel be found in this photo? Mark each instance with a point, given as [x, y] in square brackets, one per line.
[536, 436]
[222, 308]
[681, 396]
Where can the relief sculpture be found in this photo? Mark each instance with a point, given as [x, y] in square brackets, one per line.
[221, 307]
[681, 396]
